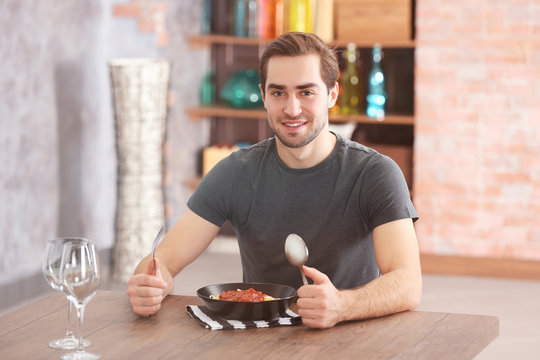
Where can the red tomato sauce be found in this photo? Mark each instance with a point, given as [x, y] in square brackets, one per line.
[242, 295]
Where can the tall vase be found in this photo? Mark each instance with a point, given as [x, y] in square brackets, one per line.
[139, 88]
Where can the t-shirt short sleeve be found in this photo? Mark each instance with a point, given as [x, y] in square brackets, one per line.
[210, 200]
[385, 193]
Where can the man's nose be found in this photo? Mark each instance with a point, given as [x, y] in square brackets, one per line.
[293, 108]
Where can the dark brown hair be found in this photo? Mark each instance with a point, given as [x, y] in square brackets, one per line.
[298, 44]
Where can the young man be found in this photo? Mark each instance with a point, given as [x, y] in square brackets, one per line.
[350, 204]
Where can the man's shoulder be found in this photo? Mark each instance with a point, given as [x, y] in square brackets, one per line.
[253, 152]
[356, 149]
[365, 157]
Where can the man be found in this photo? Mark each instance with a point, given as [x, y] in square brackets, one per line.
[350, 204]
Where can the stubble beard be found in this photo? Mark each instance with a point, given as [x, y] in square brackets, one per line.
[286, 140]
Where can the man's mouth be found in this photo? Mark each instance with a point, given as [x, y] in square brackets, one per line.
[295, 124]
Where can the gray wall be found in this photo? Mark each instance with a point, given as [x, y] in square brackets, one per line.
[57, 157]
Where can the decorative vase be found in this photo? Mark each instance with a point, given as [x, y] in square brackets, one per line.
[242, 90]
[139, 89]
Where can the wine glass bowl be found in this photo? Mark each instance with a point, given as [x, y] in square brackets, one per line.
[79, 275]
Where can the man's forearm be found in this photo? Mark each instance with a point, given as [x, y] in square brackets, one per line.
[393, 292]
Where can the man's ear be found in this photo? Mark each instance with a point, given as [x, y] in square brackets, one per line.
[262, 92]
[333, 95]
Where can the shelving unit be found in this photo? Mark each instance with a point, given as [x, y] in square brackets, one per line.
[197, 41]
[202, 112]
[393, 135]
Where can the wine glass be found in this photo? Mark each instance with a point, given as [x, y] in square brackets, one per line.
[51, 270]
[79, 274]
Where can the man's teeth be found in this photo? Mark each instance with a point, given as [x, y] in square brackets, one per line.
[293, 125]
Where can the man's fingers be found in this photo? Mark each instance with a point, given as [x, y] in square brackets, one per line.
[146, 310]
[308, 303]
[315, 275]
[144, 291]
[146, 301]
[147, 280]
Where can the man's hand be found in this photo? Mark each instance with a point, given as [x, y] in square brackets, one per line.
[145, 291]
[320, 305]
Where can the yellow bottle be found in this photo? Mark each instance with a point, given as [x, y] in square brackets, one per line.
[299, 17]
[349, 101]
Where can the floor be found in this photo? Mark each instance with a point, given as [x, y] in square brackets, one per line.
[515, 302]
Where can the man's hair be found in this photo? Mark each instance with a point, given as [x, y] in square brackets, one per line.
[298, 44]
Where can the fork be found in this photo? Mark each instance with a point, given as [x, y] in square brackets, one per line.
[157, 240]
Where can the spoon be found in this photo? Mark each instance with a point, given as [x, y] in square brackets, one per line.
[297, 253]
[157, 240]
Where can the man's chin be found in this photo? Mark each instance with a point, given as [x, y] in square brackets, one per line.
[294, 142]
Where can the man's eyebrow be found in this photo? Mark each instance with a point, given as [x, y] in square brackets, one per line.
[299, 87]
[307, 86]
[276, 86]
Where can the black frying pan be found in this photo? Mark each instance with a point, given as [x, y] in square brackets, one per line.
[248, 310]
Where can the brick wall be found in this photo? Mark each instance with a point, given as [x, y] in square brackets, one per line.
[477, 133]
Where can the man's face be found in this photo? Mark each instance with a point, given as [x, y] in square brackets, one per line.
[296, 99]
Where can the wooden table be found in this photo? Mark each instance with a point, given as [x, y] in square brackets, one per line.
[117, 333]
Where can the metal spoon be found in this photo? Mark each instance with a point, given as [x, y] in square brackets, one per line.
[297, 253]
[157, 240]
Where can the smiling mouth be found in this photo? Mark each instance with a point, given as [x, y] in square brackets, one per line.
[294, 125]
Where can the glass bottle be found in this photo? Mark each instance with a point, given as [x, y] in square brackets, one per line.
[208, 89]
[376, 98]
[298, 15]
[349, 100]
[206, 17]
[239, 18]
[251, 22]
[279, 27]
[323, 19]
[267, 18]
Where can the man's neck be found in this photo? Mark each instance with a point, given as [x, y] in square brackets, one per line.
[310, 155]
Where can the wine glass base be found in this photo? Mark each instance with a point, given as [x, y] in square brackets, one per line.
[67, 343]
[80, 355]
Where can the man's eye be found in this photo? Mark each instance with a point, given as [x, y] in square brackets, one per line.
[307, 93]
[277, 93]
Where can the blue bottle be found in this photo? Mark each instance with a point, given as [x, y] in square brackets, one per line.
[239, 18]
[252, 18]
[206, 17]
[376, 98]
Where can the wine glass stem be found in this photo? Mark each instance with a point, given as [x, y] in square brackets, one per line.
[80, 317]
[69, 332]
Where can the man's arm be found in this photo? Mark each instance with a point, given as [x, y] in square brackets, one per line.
[399, 288]
[183, 243]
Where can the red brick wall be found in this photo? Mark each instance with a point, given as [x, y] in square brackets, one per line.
[477, 133]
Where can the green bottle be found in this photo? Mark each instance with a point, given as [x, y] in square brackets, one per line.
[349, 100]
[208, 89]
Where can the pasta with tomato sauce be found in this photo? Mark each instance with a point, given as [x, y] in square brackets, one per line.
[243, 295]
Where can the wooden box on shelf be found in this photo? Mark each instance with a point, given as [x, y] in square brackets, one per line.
[214, 154]
[373, 20]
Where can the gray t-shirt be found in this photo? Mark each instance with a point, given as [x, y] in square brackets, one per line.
[334, 206]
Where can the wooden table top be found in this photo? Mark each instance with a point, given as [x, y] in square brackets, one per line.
[117, 333]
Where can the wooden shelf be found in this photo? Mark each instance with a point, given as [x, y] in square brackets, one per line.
[364, 119]
[198, 113]
[201, 112]
[198, 41]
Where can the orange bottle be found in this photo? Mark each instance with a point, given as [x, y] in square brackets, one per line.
[267, 18]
